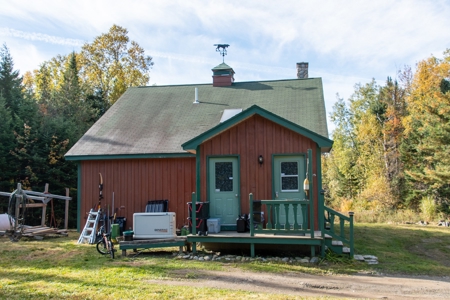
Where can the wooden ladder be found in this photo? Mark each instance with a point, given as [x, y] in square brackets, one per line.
[89, 231]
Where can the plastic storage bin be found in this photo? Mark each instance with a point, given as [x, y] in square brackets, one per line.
[201, 209]
[213, 225]
[200, 225]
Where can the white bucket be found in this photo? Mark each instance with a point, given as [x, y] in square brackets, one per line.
[4, 222]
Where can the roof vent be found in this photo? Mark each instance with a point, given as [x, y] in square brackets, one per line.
[196, 96]
[229, 113]
[302, 70]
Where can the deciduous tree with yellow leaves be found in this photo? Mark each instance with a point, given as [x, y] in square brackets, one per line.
[112, 63]
[426, 149]
[392, 142]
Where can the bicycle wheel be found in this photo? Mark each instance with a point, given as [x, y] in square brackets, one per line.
[101, 247]
[111, 249]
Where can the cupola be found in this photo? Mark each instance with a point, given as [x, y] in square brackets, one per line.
[223, 75]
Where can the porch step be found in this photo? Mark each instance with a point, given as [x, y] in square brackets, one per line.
[336, 246]
[337, 243]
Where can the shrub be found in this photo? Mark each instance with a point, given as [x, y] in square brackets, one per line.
[428, 209]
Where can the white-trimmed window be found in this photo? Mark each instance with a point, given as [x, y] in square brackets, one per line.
[289, 176]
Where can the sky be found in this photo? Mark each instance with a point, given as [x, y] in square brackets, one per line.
[344, 42]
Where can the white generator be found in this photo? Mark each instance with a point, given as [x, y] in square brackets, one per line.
[154, 225]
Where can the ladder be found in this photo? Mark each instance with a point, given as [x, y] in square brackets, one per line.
[89, 231]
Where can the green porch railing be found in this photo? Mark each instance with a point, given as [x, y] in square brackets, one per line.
[274, 210]
[340, 233]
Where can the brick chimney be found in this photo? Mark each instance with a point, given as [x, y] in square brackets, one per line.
[223, 75]
[302, 70]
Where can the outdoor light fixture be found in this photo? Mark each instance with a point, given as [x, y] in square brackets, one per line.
[260, 159]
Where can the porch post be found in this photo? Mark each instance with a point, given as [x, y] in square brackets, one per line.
[252, 229]
[320, 195]
[194, 214]
[321, 200]
[194, 221]
[198, 172]
[196, 196]
[311, 194]
[352, 243]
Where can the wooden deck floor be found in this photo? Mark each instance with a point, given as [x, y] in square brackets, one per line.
[227, 237]
[234, 234]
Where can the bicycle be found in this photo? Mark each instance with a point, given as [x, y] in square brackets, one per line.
[104, 244]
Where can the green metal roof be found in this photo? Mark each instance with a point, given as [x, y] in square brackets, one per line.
[222, 66]
[159, 119]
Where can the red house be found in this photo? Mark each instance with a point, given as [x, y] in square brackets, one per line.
[222, 141]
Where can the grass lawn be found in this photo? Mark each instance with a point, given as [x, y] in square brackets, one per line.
[59, 268]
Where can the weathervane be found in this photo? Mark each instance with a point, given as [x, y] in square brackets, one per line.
[222, 49]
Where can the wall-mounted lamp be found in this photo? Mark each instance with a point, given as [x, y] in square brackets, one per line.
[260, 159]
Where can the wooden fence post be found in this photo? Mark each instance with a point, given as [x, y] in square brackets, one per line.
[66, 213]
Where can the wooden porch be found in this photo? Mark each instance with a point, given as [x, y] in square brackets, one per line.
[244, 239]
[338, 239]
[288, 232]
[305, 222]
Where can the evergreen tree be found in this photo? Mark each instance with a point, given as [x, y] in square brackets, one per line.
[6, 145]
[10, 82]
[11, 105]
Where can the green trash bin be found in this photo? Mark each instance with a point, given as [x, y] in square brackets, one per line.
[115, 231]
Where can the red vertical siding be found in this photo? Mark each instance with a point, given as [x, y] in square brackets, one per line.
[135, 181]
[249, 139]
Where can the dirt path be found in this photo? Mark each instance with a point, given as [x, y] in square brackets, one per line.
[360, 286]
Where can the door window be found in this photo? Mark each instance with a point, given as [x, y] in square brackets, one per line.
[224, 176]
[289, 176]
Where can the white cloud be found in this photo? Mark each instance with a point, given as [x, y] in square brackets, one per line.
[35, 36]
[345, 41]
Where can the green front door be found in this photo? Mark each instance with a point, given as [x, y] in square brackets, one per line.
[224, 189]
[289, 174]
